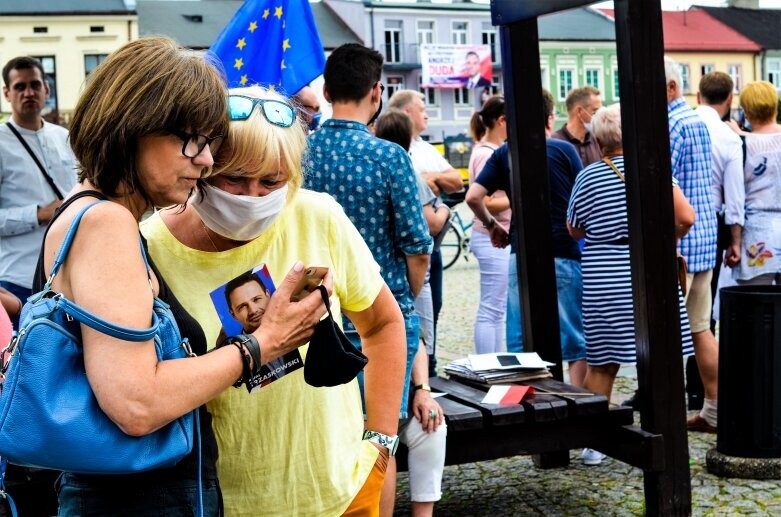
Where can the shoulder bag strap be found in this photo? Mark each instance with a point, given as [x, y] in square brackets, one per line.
[610, 164]
[85, 317]
[49, 179]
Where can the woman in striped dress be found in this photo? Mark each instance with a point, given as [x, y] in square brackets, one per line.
[597, 211]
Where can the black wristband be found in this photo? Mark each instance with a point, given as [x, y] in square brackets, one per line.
[252, 345]
[245, 360]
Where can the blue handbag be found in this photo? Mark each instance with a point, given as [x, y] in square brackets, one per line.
[49, 416]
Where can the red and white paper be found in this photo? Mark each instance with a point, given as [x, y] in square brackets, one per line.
[507, 394]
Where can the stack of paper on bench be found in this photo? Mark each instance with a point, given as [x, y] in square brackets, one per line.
[500, 368]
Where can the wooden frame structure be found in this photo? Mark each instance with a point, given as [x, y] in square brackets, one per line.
[651, 223]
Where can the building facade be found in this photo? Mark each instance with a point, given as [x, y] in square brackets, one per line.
[70, 37]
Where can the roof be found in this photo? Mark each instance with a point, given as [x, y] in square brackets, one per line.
[761, 25]
[197, 23]
[696, 30]
[583, 24]
[47, 7]
[456, 5]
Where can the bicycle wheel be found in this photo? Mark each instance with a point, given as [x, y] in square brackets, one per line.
[450, 247]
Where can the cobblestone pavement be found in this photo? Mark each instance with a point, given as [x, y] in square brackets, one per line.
[513, 486]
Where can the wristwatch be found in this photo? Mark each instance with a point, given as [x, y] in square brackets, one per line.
[490, 224]
[424, 387]
[389, 442]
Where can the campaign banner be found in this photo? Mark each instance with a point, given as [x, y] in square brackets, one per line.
[456, 66]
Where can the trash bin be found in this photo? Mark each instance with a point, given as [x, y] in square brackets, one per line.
[749, 424]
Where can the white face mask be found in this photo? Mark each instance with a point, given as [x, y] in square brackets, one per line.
[239, 218]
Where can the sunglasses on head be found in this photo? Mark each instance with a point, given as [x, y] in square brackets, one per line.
[277, 112]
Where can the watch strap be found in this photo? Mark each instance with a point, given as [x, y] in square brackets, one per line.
[424, 387]
[389, 442]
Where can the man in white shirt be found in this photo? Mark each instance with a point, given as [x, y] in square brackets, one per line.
[440, 177]
[715, 100]
[33, 180]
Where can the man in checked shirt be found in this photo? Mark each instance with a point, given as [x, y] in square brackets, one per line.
[690, 151]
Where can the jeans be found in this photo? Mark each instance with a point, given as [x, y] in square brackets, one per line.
[435, 280]
[170, 498]
[493, 262]
[412, 329]
[424, 308]
[513, 333]
[569, 290]
[426, 459]
[20, 292]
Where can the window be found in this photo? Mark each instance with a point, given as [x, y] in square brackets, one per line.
[566, 81]
[40, 30]
[431, 99]
[685, 78]
[616, 95]
[490, 38]
[774, 72]
[459, 33]
[50, 70]
[706, 69]
[496, 84]
[593, 76]
[393, 41]
[736, 73]
[425, 32]
[544, 77]
[91, 62]
[97, 28]
[393, 84]
[461, 96]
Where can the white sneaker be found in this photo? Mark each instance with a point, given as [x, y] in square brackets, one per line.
[592, 457]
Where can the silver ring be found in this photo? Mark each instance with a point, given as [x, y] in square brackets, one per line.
[433, 413]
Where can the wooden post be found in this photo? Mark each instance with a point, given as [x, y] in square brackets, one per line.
[652, 244]
[530, 190]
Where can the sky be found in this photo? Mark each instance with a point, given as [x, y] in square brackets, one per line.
[672, 5]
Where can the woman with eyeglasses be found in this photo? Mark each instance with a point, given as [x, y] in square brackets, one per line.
[287, 448]
[143, 132]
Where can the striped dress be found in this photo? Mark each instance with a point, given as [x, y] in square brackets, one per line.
[598, 206]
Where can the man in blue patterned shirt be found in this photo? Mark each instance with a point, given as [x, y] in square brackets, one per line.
[690, 151]
[373, 180]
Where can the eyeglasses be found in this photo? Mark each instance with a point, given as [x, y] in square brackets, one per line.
[194, 143]
[277, 112]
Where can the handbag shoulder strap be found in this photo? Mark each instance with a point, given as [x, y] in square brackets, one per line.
[615, 169]
[49, 179]
[85, 317]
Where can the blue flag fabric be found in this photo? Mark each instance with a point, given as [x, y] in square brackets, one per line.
[274, 43]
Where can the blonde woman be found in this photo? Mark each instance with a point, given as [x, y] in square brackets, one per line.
[143, 132]
[287, 448]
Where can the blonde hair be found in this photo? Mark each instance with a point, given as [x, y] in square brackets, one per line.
[256, 146]
[403, 98]
[148, 86]
[760, 102]
[606, 128]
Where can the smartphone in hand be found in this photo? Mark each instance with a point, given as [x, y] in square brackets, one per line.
[313, 277]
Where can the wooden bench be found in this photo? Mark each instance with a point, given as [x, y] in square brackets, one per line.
[546, 426]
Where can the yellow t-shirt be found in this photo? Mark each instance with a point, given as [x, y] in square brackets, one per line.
[287, 448]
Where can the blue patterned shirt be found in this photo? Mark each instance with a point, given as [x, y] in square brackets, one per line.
[375, 183]
[690, 150]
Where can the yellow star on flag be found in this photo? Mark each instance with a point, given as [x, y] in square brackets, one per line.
[282, 65]
[285, 44]
[271, 88]
[266, 12]
[253, 26]
[238, 64]
[278, 12]
[241, 43]
[244, 79]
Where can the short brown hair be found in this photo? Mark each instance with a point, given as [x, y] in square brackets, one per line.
[394, 125]
[760, 102]
[21, 63]
[715, 87]
[580, 97]
[146, 87]
[548, 105]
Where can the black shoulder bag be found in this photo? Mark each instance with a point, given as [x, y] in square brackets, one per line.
[49, 179]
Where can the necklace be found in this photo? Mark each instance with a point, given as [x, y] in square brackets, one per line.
[208, 236]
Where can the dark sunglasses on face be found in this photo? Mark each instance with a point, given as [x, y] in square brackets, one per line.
[277, 112]
[194, 143]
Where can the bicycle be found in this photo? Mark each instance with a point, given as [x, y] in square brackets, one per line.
[456, 240]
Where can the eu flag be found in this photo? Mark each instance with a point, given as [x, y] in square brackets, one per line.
[273, 43]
